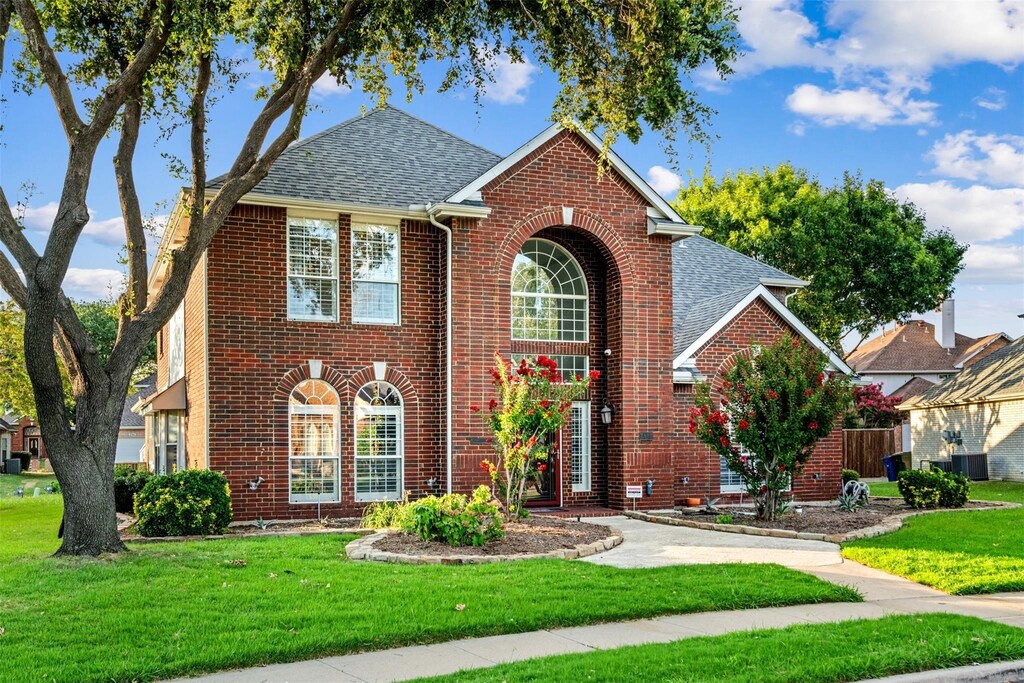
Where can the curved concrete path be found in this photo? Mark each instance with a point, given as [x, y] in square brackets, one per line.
[659, 545]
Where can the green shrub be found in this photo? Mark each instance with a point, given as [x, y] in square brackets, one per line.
[128, 482]
[186, 503]
[935, 488]
[724, 519]
[55, 486]
[455, 520]
[850, 475]
[385, 515]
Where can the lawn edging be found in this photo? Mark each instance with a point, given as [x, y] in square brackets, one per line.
[362, 549]
[888, 526]
[357, 531]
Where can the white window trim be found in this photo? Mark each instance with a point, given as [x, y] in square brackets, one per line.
[390, 227]
[288, 269]
[536, 295]
[398, 410]
[585, 485]
[557, 357]
[315, 409]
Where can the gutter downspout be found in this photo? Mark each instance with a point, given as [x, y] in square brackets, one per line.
[448, 342]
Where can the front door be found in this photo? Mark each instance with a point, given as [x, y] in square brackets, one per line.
[33, 446]
[544, 488]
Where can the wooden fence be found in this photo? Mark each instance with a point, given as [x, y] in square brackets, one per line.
[863, 450]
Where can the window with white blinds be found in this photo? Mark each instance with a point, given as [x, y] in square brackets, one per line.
[580, 433]
[376, 274]
[312, 269]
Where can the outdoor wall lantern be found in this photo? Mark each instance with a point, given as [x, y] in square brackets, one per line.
[606, 414]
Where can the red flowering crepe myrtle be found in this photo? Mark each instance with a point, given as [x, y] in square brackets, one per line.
[533, 403]
[874, 409]
[773, 408]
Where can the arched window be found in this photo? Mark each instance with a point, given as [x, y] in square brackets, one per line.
[379, 442]
[549, 294]
[313, 444]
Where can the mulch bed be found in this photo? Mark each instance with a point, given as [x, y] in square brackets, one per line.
[537, 534]
[830, 519]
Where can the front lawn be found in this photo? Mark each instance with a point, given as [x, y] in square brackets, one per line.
[26, 480]
[181, 608]
[961, 553]
[1005, 491]
[847, 651]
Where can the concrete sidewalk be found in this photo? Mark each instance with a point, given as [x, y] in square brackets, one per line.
[655, 545]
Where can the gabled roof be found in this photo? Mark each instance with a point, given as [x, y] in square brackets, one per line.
[997, 377]
[913, 388]
[913, 348]
[708, 279]
[979, 347]
[142, 389]
[387, 158]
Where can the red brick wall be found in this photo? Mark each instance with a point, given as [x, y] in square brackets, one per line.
[758, 323]
[257, 355]
[610, 217]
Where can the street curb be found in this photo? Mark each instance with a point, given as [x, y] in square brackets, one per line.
[995, 672]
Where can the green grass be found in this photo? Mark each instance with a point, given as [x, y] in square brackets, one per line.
[961, 553]
[179, 608]
[1005, 491]
[28, 480]
[847, 651]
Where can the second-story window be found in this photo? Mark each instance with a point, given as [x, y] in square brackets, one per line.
[375, 274]
[312, 269]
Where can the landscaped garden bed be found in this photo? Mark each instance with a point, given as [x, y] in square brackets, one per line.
[524, 538]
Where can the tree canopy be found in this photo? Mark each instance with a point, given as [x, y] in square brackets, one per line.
[869, 257]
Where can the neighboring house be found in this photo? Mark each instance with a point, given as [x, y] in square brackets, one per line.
[20, 433]
[723, 302]
[896, 358]
[131, 437]
[344, 319]
[985, 404]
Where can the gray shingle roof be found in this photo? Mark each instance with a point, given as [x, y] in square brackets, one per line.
[708, 279]
[386, 158]
[142, 389]
[997, 377]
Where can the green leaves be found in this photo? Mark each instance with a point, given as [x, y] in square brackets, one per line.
[869, 257]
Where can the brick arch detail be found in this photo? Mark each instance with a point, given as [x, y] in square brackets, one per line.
[609, 242]
[726, 365]
[285, 385]
[394, 377]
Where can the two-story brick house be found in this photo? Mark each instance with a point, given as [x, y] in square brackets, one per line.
[344, 318]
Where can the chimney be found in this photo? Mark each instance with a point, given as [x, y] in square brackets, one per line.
[947, 327]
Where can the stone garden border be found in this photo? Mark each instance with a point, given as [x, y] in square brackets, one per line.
[263, 533]
[362, 549]
[885, 527]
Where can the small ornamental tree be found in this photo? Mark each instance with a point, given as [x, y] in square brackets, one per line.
[874, 409]
[532, 405]
[775, 406]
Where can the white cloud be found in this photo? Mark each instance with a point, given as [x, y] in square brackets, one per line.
[994, 264]
[997, 159]
[993, 99]
[664, 181]
[797, 128]
[861, 106]
[107, 231]
[93, 283]
[511, 80]
[328, 85]
[777, 34]
[975, 214]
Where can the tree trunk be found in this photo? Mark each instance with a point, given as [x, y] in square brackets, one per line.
[90, 522]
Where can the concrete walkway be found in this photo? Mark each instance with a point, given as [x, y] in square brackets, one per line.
[651, 545]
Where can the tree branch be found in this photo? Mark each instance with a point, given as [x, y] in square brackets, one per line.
[53, 74]
[135, 232]
[11, 282]
[199, 137]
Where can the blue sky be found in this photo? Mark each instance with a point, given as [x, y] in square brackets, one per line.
[926, 96]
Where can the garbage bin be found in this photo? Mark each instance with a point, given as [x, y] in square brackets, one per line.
[12, 466]
[893, 466]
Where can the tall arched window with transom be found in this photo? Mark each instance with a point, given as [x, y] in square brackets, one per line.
[379, 417]
[313, 443]
[549, 294]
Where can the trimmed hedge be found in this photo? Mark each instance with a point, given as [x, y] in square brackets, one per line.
[935, 488]
[850, 475]
[186, 503]
[128, 482]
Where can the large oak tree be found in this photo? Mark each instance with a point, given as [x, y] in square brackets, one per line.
[110, 66]
[869, 257]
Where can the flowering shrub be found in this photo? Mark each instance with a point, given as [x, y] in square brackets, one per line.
[533, 402]
[935, 488]
[455, 520]
[774, 408]
[873, 409]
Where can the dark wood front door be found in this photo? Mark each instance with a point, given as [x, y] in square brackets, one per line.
[33, 446]
[545, 488]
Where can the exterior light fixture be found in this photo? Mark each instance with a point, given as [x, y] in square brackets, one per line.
[606, 414]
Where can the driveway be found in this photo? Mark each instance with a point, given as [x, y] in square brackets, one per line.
[659, 545]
